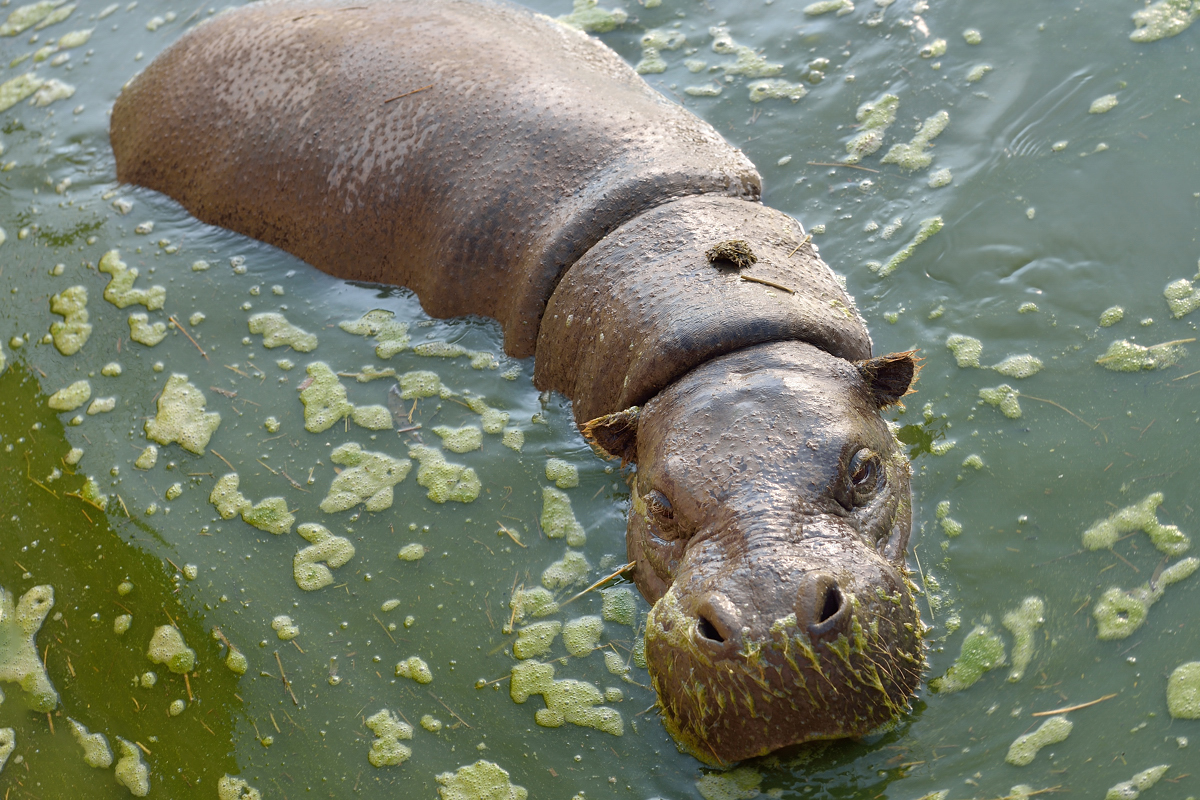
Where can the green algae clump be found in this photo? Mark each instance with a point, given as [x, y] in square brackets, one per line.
[368, 480]
[482, 780]
[270, 515]
[96, 752]
[570, 569]
[1021, 622]
[284, 628]
[142, 332]
[445, 481]
[1132, 788]
[311, 566]
[566, 700]
[278, 332]
[1183, 691]
[558, 519]
[913, 156]
[966, 349]
[1140, 516]
[535, 602]
[1111, 316]
[17, 89]
[19, 662]
[618, 605]
[536, 639]
[1182, 297]
[71, 397]
[181, 417]
[775, 89]
[131, 772]
[8, 743]
[586, 15]
[325, 403]
[412, 552]
[748, 61]
[386, 750]
[25, 17]
[927, 228]
[581, 636]
[147, 458]
[168, 648]
[873, 117]
[1102, 105]
[564, 474]
[420, 383]
[72, 333]
[431, 723]
[390, 336]
[231, 788]
[1004, 397]
[739, 784]
[414, 667]
[493, 421]
[1023, 366]
[1119, 612]
[1025, 748]
[1163, 19]
[1125, 356]
[120, 291]
[460, 440]
[842, 7]
[981, 651]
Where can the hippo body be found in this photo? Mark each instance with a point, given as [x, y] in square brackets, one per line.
[499, 163]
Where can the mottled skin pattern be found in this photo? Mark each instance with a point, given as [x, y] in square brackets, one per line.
[499, 163]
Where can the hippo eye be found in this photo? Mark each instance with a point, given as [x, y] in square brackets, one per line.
[863, 473]
[659, 506]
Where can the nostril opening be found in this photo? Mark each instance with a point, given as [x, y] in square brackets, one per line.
[832, 604]
[709, 631]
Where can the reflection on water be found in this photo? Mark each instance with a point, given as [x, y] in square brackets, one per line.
[326, 585]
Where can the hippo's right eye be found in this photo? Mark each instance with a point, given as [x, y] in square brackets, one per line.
[659, 506]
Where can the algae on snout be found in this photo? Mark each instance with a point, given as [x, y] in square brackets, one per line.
[386, 750]
[168, 648]
[120, 291]
[368, 479]
[1025, 748]
[182, 417]
[482, 780]
[1140, 516]
[1021, 622]
[73, 331]
[278, 332]
[981, 651]
[1183, 691]
[311, 566]
[19, 661]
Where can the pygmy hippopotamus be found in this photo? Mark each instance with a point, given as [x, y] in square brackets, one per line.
[497, 162]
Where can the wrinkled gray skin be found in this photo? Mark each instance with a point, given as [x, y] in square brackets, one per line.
[499, 163]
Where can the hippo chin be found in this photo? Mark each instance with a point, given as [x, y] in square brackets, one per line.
[769, 522]
[499, 163]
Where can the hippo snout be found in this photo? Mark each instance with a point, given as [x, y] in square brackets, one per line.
[820, 607]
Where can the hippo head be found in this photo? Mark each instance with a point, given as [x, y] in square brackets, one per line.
[770, 514]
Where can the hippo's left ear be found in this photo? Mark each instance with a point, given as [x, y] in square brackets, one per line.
[615, 435]
[890, 377]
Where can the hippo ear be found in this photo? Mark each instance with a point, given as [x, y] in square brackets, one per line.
[615, 435]
[890, 377]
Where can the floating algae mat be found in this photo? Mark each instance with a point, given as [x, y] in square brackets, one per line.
[188, 355]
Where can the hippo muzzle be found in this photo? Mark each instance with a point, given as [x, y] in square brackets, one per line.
[770, 514]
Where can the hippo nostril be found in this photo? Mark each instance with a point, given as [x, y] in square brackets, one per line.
[708, 630]
[832, 604]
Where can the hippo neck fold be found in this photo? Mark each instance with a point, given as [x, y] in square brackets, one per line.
[645, 304]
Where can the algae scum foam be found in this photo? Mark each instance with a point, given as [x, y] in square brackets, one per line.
[268, 534]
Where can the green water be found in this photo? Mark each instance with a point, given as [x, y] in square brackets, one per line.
[1073, 230]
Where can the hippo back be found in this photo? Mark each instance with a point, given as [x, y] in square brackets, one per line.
[469, 151]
